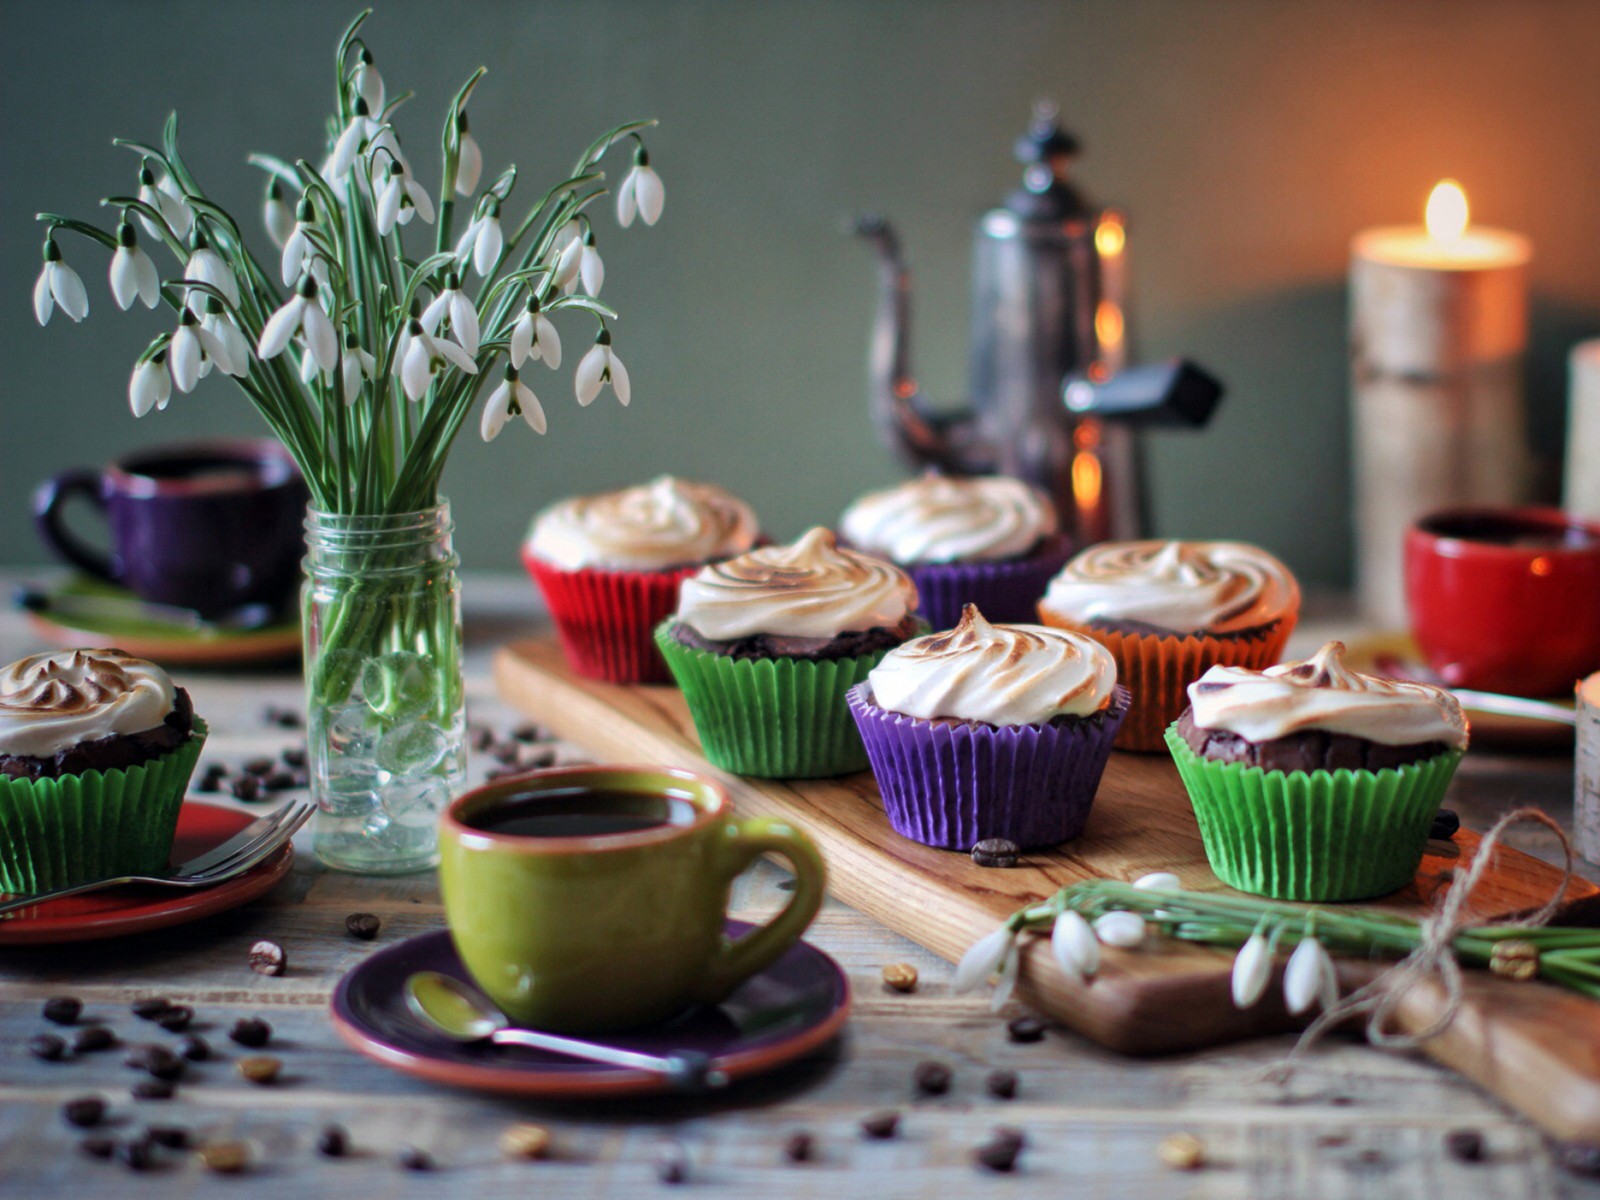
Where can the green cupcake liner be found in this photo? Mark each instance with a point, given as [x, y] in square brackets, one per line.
[779, 718]
[1313, 835]
[57, 833]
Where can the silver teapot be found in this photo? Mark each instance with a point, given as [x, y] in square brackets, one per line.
[1052, 398]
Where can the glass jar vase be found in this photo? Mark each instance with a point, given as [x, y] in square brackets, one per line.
[386, 728]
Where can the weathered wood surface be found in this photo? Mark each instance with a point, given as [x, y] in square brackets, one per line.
[1351, 1123]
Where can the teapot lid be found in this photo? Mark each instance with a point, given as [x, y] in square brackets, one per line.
[1046, 152]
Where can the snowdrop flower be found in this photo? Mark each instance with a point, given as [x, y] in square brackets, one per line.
[599, 367]
[308, 364]
[277, 216]
[1309, 978]
[302, 313]
[194, 349]
[151, 386]
[1158, 881]
[641, 192]
[426, 356]
[352, 141]
[1121, 929]
[133, 272]
[368, 83]
[207, 266]
[401, 199]
[299, 251]
[482, 241]
[58, 284]
[534, 336]
[234, 358]
[1252, 970]
[469, 166]
[452, 302]
[1007, 982]
[982, 959]
[580, 263]
[1074, 945]
[166, 200]
[512, 398]
[356, 365]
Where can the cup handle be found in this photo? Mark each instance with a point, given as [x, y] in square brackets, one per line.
[746, 840]
[49, 501]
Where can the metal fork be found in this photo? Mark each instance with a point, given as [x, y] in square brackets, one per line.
[249, 847]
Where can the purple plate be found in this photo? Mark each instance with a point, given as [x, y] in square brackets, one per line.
[793, 1007]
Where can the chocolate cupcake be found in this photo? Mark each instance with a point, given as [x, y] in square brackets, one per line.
[96, 748]
[991, 540]
[609, 567]
[990, 731]
[1168, 611]
[1311, 781]
[766, 644]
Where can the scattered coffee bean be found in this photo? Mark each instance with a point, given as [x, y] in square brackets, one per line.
[1581, 1158]
[153, 1089]
[294, 756]
[91, 1038]
[534, 760]
[995, 852]
[415, 1158]
[1341, 1101]
[173, 1137]
[333, 1142]
[1182, 1151]
[1001, 1151]
[212, 778]
[157, 1061]
[259, 767]
[284, 718]
[881, 1125]
[246, 788]
[362, 925]
[525, 1141]
[1372, 1157]
[1465, 1145]
[98, 1147]
[1002, 1085]
[259, 1068]
[268, 958]
[136, 1155]
[195, 1048]
[278, 781]
[176, 1018]
[900, 977]
[63, 1010]
[505, 753]
[84, 1111]
[528, 733]
[225, 1158]
[672, 1164]
[931, 1078]
[150, 1008]
[251, 1031]
[48, 1047]
[1026, 1028]
[1329, 1140]
[1445, 824]
[480, 737]
[800, 1146]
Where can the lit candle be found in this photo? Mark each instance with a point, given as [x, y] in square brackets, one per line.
[1438, 328]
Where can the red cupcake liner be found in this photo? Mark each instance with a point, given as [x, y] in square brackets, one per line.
[607, 619]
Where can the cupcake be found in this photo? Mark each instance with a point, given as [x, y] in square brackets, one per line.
[990, 731]
[1168, 611]
[990, 541]
[1311, 781]
[96, 748]
[767, 644]
[610, 565]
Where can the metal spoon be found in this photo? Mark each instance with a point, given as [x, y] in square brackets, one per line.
[466, 1015]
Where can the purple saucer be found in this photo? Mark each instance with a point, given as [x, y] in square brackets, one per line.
[792, 1008]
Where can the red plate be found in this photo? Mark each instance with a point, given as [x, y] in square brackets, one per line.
[134, 909]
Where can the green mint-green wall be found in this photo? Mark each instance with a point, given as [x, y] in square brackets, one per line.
[1248, 140]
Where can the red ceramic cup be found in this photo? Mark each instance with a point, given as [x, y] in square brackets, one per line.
[1506, 599]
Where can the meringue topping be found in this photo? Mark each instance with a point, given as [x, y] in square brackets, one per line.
[937, 518]
[1185, 587]
[49, 702]
[999, 674]
[1323, 694]
[810, 588]
[667, 522]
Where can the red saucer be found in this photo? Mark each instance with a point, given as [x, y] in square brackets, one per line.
[136, 909]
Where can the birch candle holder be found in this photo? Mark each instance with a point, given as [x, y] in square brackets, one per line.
[1586, 772]
[1581, 491]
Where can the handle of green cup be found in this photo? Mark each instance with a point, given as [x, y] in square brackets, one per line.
[745, 841]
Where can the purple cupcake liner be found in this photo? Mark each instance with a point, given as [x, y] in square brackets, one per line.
[1005, 592]
[952, 786]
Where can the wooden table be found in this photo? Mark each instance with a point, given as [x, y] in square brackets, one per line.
[1353, 1122]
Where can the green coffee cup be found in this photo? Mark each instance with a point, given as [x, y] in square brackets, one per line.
[585, 899]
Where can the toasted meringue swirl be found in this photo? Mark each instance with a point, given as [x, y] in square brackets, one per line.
[49, 702]
[667, 522]
[810, 588]
[1182, 586]
[937, 518]
[1323, 694]
[1001, 674]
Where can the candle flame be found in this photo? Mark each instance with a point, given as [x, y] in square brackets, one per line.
[1110, 235]
[1446, 215]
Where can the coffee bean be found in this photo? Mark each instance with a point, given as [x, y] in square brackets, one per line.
[268, 958]
[1581, 1158]
[155, 1060]
[63, 1010]
[1465, 1145]
[251, 1031]
[136, 1155]
[900, 977]
[415, 1158]
[506, 753]
[195, 1048]
[536, 759]
[259, 767]
[225, 1158]
[672, 1164]
[364, 926]
[259, 1068]
[91, 1038]
[1182, 1151]
[800, 1146]
[278, 781]
[150, 1008]
[333, 1142]
[1445, 824]
[98, 1147]
[294, 756]
[283, 717]
[153, 1089]
[84, 1111]
[881, 1125]
[1002, 1085]
[176, 1018]
[480, 737]
[1026, 1028]
[529, 733]
[212, 778]
[996, 852]
[173, 1137]
[525, 1140]
[48, 1047]
[931, 1078]
[246, 788]
[1001, 1151]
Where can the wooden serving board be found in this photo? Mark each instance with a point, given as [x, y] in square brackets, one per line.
[1533, 1045]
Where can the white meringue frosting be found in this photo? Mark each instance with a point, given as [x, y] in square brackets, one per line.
[667, 522]
[809, 588]
[1323, 694]
[49, 702]
[1185, 587]
[939, 518]
[999, 674]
